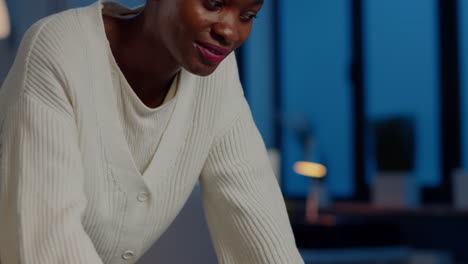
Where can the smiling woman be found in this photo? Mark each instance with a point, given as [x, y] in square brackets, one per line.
[111, 115]
[167, 35]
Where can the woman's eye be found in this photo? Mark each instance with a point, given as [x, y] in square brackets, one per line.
[248, 17]
[215, 4]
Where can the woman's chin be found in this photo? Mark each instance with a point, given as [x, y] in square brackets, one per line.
[201, 69]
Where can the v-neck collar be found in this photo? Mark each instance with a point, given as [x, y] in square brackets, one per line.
[113, 136]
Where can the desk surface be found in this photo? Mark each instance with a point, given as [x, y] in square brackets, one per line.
[366, 209]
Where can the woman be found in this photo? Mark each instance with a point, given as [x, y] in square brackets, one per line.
[110, 116]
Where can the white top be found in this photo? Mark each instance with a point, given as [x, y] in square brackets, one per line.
[69, 190]
[143, 126]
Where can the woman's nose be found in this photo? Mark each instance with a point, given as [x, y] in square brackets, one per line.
[226, 31]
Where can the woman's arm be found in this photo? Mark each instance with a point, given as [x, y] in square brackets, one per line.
[42, 199]
[245, 210]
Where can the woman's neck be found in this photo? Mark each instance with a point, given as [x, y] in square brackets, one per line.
[144, 61]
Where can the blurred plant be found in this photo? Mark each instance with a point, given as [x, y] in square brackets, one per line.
[302, 130]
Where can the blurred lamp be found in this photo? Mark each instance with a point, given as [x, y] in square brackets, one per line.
[4, 20]
[310, 169]
[316, 197]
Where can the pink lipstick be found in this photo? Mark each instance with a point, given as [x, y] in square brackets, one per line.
[212, 53]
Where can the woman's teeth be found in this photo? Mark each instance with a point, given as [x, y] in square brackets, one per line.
[214, 51]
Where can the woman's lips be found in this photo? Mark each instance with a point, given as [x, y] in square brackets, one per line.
[212, 53]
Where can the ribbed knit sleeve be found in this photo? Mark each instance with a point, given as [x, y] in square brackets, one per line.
[244, 207]
[42, 198]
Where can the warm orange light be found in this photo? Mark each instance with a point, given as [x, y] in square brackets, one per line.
[4, 20]
[310, 169]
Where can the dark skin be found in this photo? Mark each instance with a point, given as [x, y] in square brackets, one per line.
[152, 47]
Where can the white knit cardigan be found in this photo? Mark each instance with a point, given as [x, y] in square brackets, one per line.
[69, 190]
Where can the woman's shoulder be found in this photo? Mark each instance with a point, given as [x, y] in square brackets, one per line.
[220, 95]
[58, 44]
[51, 51]
[58, 35]
[53, 42]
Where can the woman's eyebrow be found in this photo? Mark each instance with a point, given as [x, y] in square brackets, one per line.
[257, 2]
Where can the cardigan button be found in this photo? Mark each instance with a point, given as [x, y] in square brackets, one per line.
[143, 197]
[128, 255]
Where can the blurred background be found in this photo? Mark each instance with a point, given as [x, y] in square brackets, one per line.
[360, 103]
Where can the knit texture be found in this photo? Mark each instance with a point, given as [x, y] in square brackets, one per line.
[69, 190]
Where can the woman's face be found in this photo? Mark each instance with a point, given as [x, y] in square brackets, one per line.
[199, 34]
